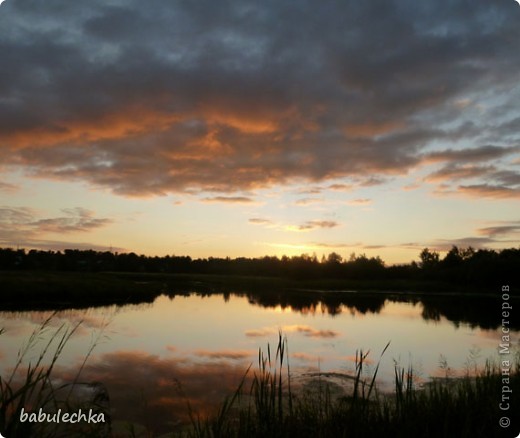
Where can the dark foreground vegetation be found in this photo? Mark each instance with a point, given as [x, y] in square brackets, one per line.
[266, 404]
[469, 406]
[460, 268]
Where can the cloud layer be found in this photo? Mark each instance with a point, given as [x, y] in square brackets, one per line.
[236, 96]
[23, 225]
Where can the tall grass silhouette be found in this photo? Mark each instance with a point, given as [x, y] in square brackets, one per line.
[35, 387]
[465, 406]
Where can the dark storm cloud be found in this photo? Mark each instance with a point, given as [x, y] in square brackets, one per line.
[236, 95]
[484, 153]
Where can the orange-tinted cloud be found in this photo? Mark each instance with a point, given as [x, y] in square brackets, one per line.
[311, 332]
[253, 333]
[450, 173]
[308, 201]
[230, 199]
[260, 221]
[372, 129]
[305, 357]
[226, 354]
[8, 188]
[512, 228]
[306, 330]
[340, 187]
[244, 122]
[212, 99]
[153, 391]
[490, 191]
[126, 123]
[360, 201]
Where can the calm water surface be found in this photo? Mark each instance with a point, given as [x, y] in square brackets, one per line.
[155, 357]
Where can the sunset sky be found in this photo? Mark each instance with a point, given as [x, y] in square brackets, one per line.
[251, 128]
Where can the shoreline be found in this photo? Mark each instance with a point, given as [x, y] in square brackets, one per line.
[50, 290]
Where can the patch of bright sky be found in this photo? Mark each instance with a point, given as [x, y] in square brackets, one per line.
[186, 225]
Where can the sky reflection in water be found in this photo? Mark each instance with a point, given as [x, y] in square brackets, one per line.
[155, 357]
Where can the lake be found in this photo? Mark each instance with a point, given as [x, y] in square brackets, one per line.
[195, 345]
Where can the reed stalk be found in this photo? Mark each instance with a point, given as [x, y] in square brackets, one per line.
[463, 407]
[35, 387]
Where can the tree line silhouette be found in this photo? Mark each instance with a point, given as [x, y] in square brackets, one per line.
[464, 267]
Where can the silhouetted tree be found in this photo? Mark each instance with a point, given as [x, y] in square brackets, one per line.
[460, 267]
[429, 259]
